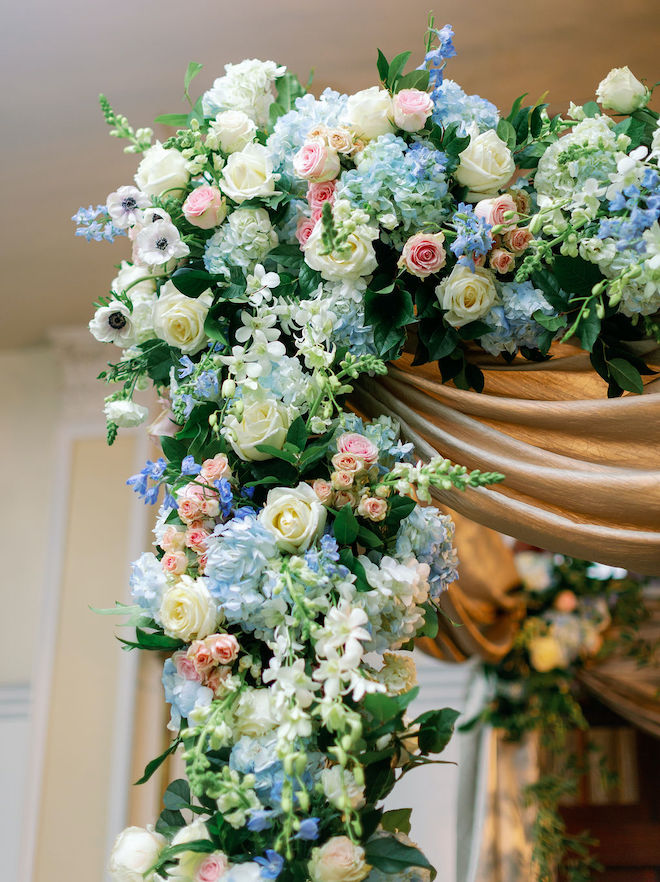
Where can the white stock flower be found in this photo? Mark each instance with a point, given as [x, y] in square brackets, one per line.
[162, 171]
[485, 166]
[160, 242]
[294, 516]
[358, 258]
[622, 92]
[343, 629]
[246, 86]
[231, 130]
[125, 206]
[248, 174]
[179, 320]
[466, 294]
[125, 414]
[369, 113]
[135, 851]
[188, 611]
[265, 420]
[340, 787]
[291, 680]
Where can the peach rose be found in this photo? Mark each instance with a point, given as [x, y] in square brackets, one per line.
[201, 657]
[341, 480]
[372, 508]
[423, 254]
[224, 648]
[315, 161]
[205, 208]
[359, 446]
[412, 108]
[345, 497]
[501, 260]
[172, 539]
[216, 468]
[323, 490]
[493, 210]
[346, 462]
[196, 537]
[518, 239]
[340, 139]
[175, 562]
[319, 193]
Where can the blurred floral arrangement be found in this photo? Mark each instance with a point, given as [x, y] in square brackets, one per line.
[572, 606]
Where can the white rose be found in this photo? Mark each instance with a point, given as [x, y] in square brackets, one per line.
[358, 260]
[248, 174]
[340, 784]
[294, 515]
[338, 861]
[545, 653]
[125, 414]
[188, 611]
[134, 852]
[466, 294]
[370, 112]
[162, 170]
[232, 130]
[254, 713]
[265, 421]
[188, 862]
[247, 872]
[622, 92]
[485, 166]
[179, 320]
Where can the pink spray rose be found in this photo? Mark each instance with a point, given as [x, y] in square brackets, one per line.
[205, 208]
[423, 254]
[175, 562]
[323, 490]
[216, 468]
[185, 666]
[372, 508]
[493, 210]
[341, 480]
[223, 647]
[411, 109]
[346, 462]
[315, 161]
[201, 657]
[501, 260]
[319, 193]
[359, 446]
[172, 539]
[304, 230]
[518, 239]
[196, 537]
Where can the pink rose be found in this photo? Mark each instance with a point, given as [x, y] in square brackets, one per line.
[201, 563]
[304, 230]
[372, 508]
[316, 162]
[205, 208]
[518, 239]
[361, 447]
[212, 867]
[566, 601]
[423, 254]
[223, 647]
[411, 109]
[196, 537]
[346, 462]
[341, 480]
[501, 260]
[321, 192]
[493, 211]
[323, 490]
[185, 667]
[172, 539]
[201, 657]
[190, 505]
[345, 497]
[175, 562]
[216, 468]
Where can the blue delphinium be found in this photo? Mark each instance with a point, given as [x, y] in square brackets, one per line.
[640, 212]
[271, 865]
[452, 105]
[95, 224]
[511, 320]
[396, 182]
[436, 59]
[153, 471]
[309, 829]
[189, 466]
[473, 236]
[183, 695]
[428, 535]
[148, 583]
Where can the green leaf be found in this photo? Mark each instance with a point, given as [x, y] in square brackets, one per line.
[308, 280]
[507, 133]
[289, 256]
[399, 508]
[548, 283]
[473, 330]
[441, 342]
[396, 68]
[289, 88]
[517, 104]
[536, 120]
[368, 538]
[549, 322]
[199, 846]
[345, 526]
[170, 822]
[177, 795]
[384, 708]
[396, 821]
[176, 120]
[626, 375]
[383, 67]
[389, 855]
[173, 450]
[156, 640]
[297, 434]
[276, 453]
[452, 142]
[151, 767]
[416, 79]
[588, 329]
[591, 109]
[575, 275]
[192, 70]
[389, 314]
[312, 455]
[436, 729]
[431, 626]
[192, 282]
[349, 560]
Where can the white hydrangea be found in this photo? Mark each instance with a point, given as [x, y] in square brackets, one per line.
[246, 87]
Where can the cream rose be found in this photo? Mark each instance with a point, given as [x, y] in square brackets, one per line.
[485, 166]
[369, 113]
[545, 653]
[232, 130]
[188, 611]
[162, 171]
[295, 516]
[248, 174]
[134, 852]
[466, 295]
[179, 320]
[338, 861]
[264, 421]
[125, 414]
[358, 260]
[622, 92]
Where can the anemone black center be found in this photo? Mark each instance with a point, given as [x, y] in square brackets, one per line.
[117, 321]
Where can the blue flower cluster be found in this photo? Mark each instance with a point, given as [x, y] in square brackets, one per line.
[473, 236]
[436, 59]
[148, 582]
[183, 695]
[640, 211]
[428, 535]
[408, 183]
[512, 322]
[452, 105]
[153, 471]
[95, 224]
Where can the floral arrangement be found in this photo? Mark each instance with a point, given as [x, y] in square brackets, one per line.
[571, 605]
[294, 561]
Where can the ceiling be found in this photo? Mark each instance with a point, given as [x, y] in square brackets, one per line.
[58, 57]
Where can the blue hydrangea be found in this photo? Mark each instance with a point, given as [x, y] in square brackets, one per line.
[295, 210]
[258, 757]
[511, 320]
[383, 432]
[183, 695]
[408, 183]
[452, 105]
[346, 301]
[428, 535]
[148, 583]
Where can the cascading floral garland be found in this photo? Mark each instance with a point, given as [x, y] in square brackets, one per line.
[281, 246]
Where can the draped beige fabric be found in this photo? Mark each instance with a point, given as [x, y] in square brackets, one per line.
[582, 471]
